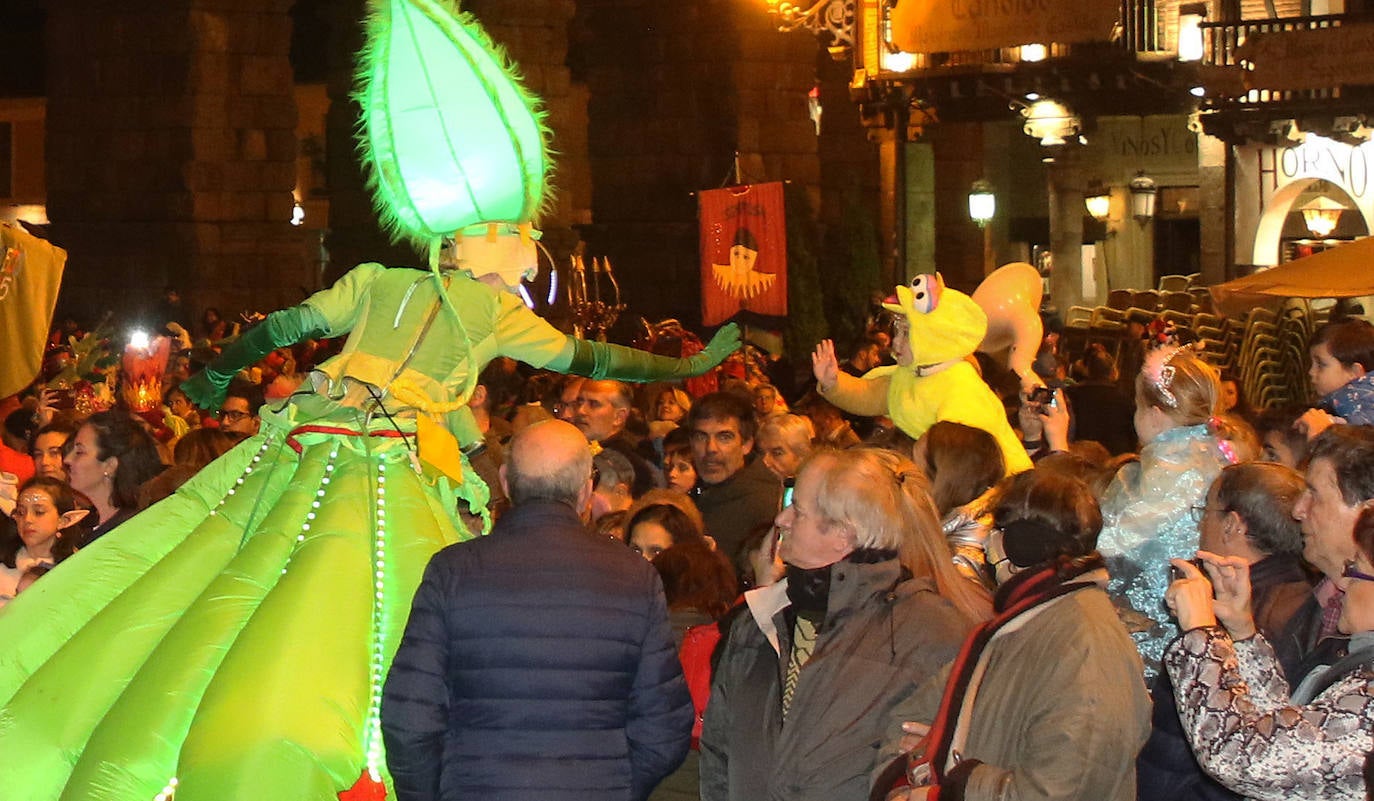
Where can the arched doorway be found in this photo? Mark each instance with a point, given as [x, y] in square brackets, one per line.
[1284, 234]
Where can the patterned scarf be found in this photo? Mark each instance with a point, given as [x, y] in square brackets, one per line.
[808, 590]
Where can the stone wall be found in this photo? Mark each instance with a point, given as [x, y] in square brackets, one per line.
[171, 153]
[535, 36]
[675, 90]
[172, 149]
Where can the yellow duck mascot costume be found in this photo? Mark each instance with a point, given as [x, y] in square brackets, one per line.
[937, 330]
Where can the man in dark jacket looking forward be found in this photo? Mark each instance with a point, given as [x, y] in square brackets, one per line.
[734, 494]
[537, 661]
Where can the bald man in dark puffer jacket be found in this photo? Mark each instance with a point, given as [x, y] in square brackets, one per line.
[538, 660]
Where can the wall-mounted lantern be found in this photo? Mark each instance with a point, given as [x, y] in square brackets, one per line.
[1143, 194]
[1098, 201]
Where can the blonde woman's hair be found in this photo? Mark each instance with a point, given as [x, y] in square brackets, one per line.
[681, 398]
[796, 431]
[881, 498]
[1181, 385]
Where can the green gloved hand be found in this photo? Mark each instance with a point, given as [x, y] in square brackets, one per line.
[284, 327]
[206, 389]
[725, 342]
[600, 360]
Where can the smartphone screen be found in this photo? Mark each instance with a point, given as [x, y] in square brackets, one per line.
[788, 487]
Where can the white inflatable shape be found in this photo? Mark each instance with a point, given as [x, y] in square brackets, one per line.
[1011, 299]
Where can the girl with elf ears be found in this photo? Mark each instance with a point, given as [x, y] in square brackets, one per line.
[44, 516]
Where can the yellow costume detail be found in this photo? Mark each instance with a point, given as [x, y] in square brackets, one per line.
[946, 326]
[411, 395]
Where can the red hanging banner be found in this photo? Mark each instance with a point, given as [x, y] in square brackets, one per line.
[743, 252]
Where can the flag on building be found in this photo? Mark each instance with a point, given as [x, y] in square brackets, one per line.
[30, 275]
[743, 252]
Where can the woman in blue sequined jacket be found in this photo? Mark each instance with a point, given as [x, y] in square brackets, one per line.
[1147, 509]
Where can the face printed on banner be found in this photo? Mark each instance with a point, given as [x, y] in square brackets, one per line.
[738, 279]
[743, 246]
[742, 259]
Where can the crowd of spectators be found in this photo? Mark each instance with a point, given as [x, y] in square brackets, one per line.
[912, 617]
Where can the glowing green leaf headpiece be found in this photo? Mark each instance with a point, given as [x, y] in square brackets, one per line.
[449, 136]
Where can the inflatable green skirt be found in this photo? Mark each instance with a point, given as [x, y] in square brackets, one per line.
[230, 642]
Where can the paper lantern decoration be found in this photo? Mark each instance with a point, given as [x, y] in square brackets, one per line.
[449, 136]
[144, 363]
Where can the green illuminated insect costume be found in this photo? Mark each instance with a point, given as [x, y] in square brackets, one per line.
[230, 642]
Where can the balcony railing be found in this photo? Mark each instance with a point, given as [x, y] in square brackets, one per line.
[1223, 41]
[1140, 26]
[1139, 31]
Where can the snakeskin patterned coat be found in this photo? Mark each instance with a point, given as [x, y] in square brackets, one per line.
[1247, 733]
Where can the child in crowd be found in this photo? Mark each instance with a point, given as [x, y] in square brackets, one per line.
[44, 512]
[1282, 441]
[1342, 361]
[678, 470]
[1146, 510]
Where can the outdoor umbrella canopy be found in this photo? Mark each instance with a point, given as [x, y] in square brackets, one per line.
[1346, 271]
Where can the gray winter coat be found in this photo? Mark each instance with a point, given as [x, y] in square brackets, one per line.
[881, 639]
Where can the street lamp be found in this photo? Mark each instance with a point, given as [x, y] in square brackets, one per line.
[1098, 201]
[1050, 121]
[1190, 40]
[982, 207]
[1143, 191]
[1321, 214]
[982, 203]
[897, 60]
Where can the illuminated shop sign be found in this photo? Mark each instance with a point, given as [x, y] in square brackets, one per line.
[932, 26]
[1318, 157]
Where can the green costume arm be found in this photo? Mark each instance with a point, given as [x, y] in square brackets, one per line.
[284, 327]
[600, 360]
